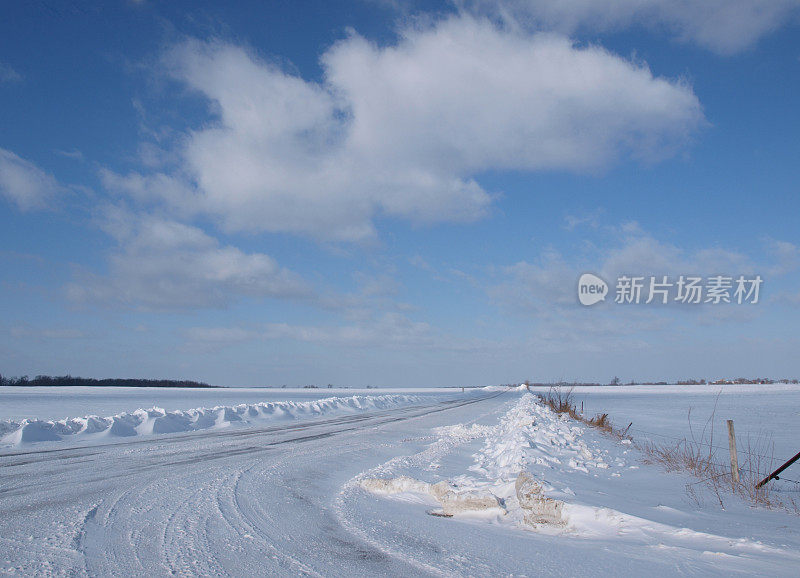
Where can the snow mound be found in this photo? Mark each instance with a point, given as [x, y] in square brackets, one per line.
[532, 434]
[528, 434]
[159, 421]
[453, 500]
[493, 388]
[520, 387]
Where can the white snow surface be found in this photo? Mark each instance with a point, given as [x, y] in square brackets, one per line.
[602, 495]
[349, 494]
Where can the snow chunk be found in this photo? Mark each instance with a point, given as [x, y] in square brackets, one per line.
[536, 507]
[452, 500]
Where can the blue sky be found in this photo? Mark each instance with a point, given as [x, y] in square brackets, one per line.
[395, 193]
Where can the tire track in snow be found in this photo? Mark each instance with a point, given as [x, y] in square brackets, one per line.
[251, 528]
[430, 454]
[148, 491]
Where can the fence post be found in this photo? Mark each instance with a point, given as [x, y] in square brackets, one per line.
[626, 430]
[734, 455]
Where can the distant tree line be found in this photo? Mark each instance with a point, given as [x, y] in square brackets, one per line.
[618, 381]
[42, 380]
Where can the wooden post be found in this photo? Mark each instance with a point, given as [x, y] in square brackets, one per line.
[734, 455]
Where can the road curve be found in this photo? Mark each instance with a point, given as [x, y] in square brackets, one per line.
[237, 502]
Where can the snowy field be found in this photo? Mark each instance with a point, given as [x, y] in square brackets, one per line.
[766, 414]
[438, 483]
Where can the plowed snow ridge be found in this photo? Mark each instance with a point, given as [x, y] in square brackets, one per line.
[156, 420]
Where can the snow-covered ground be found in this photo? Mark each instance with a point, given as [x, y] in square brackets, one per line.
[546, 484]
[766, 416]
[481, 483]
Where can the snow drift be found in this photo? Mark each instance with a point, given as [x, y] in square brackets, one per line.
[500, 480]
[159, 421]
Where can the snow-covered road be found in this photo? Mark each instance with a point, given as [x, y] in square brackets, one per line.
[240, 502]
[285, 500]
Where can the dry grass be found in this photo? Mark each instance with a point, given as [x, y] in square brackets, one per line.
[562, 401]
[696, 455]
[602, 422]
[700, 460]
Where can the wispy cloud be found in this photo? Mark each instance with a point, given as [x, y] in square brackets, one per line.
[163, 264]
[25, 184]
[46, 333]
[584, 220]
[543, 292]
[786, 254]
[8, 74]
[549, 282]
[722, 26]
[386, 330]
[73, 154]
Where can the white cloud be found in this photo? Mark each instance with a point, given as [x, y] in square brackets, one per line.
[641, 254]
[387, 330]
[147, 188]
[219, 336]
[543, 293]
[467, 96]
[379, 330]
[537, 287]
[46, 333]
[404, 130]
[380, 285]
[574, 332]
[548, 286]
[722, 26]
[586, 220]
[8, 74]
[73, 154]
[787, 255]
[165, 264]
[25, 184]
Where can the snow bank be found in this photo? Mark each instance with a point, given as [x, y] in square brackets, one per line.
[158, 421]
[573, 490]
[528, 435]
[494, 388]
[532, 434]
[520, 388]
